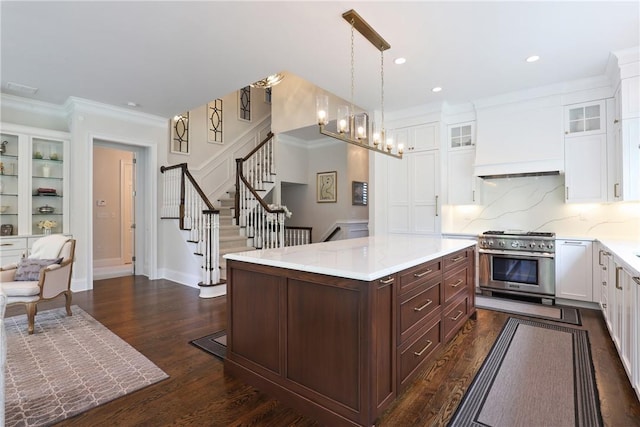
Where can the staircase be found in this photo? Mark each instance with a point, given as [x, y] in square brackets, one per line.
[244, 221]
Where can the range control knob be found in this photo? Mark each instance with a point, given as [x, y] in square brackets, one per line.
[550, 246]
[532, 245]
[503, 244]
[515, 244]
[490, 242]
[542, 246]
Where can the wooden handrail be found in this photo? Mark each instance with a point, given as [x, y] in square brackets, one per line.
[257, 196]
[240, 177]
[186, 172]
[333, 233]
[259, 146]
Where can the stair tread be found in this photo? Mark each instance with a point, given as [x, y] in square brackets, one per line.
[231, 238]
[236, 249]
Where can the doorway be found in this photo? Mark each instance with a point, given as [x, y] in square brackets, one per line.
[114, 210]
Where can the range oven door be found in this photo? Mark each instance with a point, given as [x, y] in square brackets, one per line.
[522, 272]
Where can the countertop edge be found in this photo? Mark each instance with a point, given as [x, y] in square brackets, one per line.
[457, 245]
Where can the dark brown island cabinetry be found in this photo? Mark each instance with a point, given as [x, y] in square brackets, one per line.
[337, 349]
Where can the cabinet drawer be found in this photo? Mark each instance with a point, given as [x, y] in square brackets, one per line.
[413, 277]
[455, 316]
[415, 352]
[417, 305]
[13, 244]
[456, 259]
[455, 283]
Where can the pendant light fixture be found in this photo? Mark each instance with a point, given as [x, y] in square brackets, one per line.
[351, 127]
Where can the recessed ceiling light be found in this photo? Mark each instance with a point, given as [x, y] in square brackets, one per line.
[533, 58]
[132, 104]
[399, 61]
[436, 89]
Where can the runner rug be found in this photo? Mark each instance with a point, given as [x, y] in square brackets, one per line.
[69, 365]
[536, 374]
[556, 313]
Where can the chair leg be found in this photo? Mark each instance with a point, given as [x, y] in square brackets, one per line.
[31, 315]
[68, 296]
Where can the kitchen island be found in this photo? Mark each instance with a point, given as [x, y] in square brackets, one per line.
[339, 329]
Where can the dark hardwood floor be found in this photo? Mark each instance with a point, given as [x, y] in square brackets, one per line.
[159, 318]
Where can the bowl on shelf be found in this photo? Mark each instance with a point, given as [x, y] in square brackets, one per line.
[46, 209]
[5, 208]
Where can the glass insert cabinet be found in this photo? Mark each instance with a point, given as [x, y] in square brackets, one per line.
[34, 181]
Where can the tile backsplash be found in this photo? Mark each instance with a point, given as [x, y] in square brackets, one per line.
[537, 204]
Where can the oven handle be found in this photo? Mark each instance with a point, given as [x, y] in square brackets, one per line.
[517, 254]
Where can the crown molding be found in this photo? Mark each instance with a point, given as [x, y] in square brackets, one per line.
[75, 105]
[29, 105]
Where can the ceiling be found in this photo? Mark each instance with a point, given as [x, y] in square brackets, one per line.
[171, 56]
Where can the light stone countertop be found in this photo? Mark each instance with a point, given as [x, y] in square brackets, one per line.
[626, 250]
[365, 258]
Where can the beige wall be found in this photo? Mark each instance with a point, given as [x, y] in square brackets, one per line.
[200, 150]
[107, 219]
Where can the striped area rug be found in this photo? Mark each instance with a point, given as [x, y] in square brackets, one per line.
[69, 365]
[556, 313]
[536, 374]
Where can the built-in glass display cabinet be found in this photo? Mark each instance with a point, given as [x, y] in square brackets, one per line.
[34, 181]
[9, 184]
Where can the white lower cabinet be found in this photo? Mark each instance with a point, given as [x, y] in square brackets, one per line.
[635, 333]
[574, 260]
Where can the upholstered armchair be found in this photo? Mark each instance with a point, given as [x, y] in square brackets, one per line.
[43, 275]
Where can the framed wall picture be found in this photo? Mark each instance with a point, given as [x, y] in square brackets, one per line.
[244, 104]
[180, 134]
[327, 187]
[359, 193]
[214, 121]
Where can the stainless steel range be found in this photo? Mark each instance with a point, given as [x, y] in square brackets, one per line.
[518, 263]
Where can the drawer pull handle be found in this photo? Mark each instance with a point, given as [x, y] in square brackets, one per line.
[456, 259]
[604, 305]
[424, 273]
[419, 353]
[6, 244]
[458, 283]
[460, 313]
[637, 280]
[386, 282]
[618, 270]
[427, 304]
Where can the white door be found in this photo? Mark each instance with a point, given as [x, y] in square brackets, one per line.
[127, 180]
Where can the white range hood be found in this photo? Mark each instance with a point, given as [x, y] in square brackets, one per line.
[520, 139]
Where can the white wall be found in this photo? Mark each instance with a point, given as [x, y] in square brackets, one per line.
[90, 122]
[351, 164]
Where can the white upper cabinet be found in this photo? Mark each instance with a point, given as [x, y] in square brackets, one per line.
[588, 118]
[461, 181]
[625, 150]
[418, 138]
[586, 169]
[585, 152]
[461, 135]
